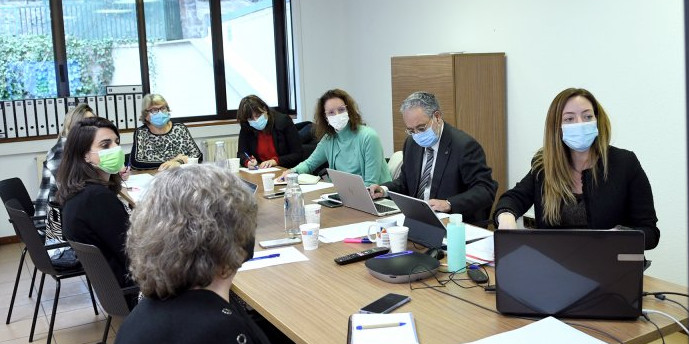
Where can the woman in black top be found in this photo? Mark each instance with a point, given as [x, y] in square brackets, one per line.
[89, 184]
[189, 235]
[578, 180]
[267, 138]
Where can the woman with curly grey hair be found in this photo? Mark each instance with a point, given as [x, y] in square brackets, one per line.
[190, 233]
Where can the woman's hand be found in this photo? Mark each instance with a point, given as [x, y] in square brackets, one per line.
[284, 174]
[268, 163]
[125, 172]
[506, 220]
[169, 164]
[251, 163]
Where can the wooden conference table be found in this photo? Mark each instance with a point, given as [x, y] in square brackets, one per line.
[311, 301]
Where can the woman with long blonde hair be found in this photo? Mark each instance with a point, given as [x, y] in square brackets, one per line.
[577, 179]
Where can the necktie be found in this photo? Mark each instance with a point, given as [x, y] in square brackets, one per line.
[426, 175]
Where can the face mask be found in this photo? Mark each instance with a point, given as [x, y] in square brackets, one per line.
[111, 160]
[426, 138]
[160, 118]
[579, 136]
[338, 121]
[260, 123]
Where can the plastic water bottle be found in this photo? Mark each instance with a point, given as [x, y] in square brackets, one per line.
[456, 244]
[294, 206]
[220, 155]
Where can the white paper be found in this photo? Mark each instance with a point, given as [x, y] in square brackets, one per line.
[137, 184]
[287, 255]
[314, 187]
[472, 233]
[395, 334]
[335, 234]
[481, 251]
[260, 170]
[544, 331]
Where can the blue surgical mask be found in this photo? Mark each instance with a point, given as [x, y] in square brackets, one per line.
[260, 122]
[426, 138]
[160, 118]
[579, 136]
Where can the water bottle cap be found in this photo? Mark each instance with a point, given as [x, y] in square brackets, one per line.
[456, 218]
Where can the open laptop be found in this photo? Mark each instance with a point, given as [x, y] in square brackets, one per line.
[569, 273]
[425, 227]
[354, 194]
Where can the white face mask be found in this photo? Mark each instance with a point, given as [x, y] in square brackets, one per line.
[338, 121]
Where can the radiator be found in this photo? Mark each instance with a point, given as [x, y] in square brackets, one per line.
[231, 146]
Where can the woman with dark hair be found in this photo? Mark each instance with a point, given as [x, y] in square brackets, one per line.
[89, 183]
[159, 143]
[346, 144]
[267, 138]
[578, 180]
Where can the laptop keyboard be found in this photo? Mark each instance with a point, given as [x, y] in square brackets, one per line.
[383, 208]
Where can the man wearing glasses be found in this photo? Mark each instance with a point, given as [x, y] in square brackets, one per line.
[441, 165]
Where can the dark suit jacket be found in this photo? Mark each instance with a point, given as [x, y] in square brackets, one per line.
[461, 175]
[285, 138]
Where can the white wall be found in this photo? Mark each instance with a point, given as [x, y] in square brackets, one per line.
[629, 53]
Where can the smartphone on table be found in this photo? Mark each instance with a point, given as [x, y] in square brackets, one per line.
[385, 304]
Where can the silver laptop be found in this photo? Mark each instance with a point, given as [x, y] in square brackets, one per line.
[569, 273]
[354, 194]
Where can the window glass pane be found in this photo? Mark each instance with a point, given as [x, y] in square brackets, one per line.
[27, 62]
[249, 49]
[102, 45]
[180, 59]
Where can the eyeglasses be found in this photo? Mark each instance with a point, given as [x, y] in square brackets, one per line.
[339, 110]
[156, 110]
[419, 129]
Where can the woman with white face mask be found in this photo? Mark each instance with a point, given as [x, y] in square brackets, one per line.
[267, 138]
[578, 180]
[346, 144]
[159, 143]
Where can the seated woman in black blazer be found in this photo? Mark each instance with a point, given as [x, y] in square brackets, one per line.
[267, 138]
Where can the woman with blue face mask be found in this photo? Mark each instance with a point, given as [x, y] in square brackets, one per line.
[159, 143]
[267, 138]
[346, 143]
[89, 185]
[578, 180]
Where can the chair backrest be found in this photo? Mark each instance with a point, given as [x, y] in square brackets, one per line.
[14, 188]
[102, 278]
[395, 164]
[27, 232]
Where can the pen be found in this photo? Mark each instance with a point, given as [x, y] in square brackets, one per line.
[372, 326]
[274, 255]
[358, 240]
[249, 158]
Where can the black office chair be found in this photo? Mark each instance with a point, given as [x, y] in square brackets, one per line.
[309, 143]
[39, 255]
[112, 297]
[14, 188]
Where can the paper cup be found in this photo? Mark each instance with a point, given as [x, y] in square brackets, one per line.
[268, 182]
[398, 238]
[313, 213]
[309, 235]
[192, 161]
[234, 165]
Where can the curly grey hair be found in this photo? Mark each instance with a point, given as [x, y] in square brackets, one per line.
[424, 100]
[192, 224]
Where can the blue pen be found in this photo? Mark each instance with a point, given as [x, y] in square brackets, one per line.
[248, 157]
[274, 255]
[372, 326]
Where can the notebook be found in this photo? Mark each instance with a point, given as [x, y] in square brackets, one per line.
[354, 194]
[569, 273]
[398, 328]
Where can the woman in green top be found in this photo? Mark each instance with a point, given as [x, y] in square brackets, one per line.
[346, 144]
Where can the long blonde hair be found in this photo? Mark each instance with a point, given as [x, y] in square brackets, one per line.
[554, 159]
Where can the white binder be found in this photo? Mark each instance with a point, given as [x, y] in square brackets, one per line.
[138, 98]
[3, 132]
[10, 123]
[101, 111]
[41, 120]
[111, 113]
[121, 115]
[92, 103]
[51, 117]
[123, 89]
[30, 111]
[20, 118]
[60, 111]
[129, 107]
[71, 103]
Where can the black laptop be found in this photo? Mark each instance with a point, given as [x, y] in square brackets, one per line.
[424, 226]
[569, 273]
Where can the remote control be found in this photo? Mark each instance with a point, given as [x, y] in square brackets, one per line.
[363, 255]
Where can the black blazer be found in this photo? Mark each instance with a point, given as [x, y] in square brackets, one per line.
[461, 175]
[285, 138]
[624, 198]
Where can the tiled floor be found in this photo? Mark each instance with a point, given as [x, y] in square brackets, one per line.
[75, 321]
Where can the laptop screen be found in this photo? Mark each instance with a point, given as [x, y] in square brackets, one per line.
[569, 273]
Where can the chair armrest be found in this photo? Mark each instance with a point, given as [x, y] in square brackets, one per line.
[39, 217]
[58, 245]
[130, 290]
